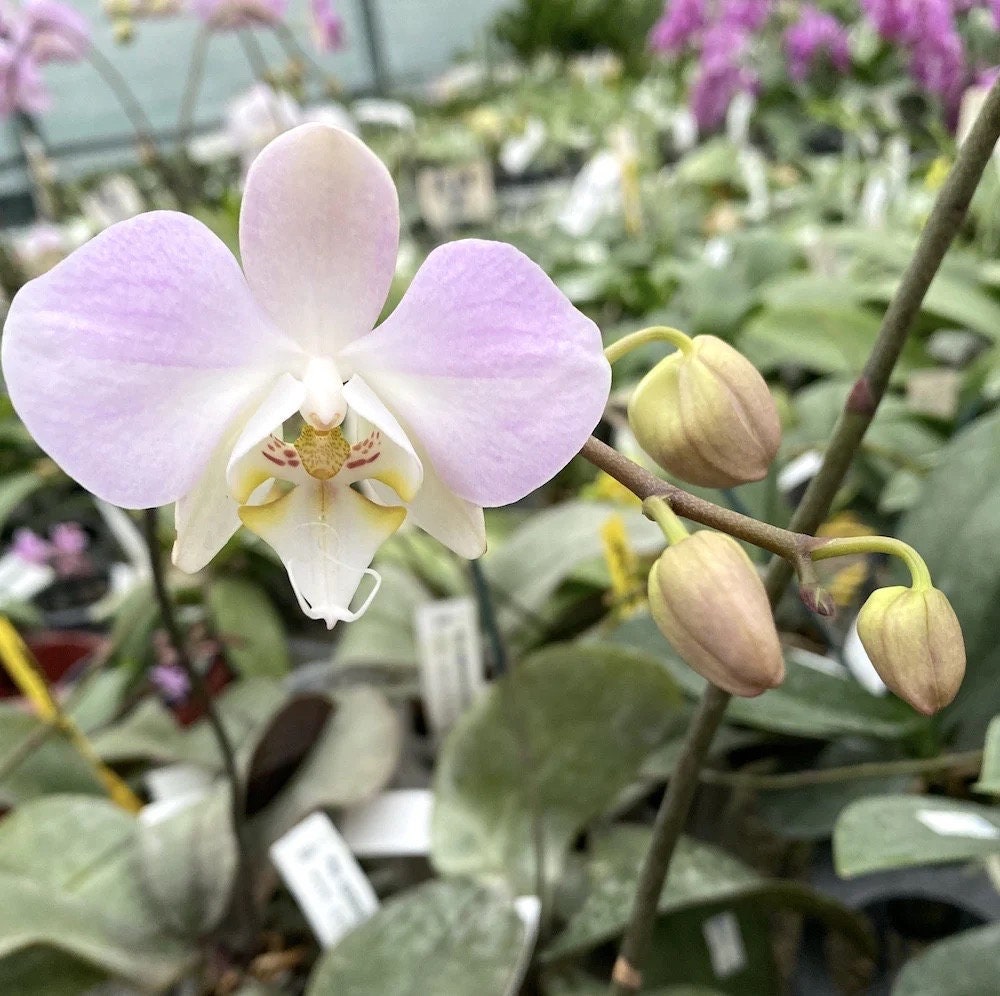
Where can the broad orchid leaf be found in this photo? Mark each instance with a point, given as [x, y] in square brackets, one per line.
[250, 628]
[450, 938]
[68, 876]
[962, 965]
[900, 831]
[545, 750]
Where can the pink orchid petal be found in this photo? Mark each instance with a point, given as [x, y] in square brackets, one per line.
[488, 365]
[129, 361]
[319, 234]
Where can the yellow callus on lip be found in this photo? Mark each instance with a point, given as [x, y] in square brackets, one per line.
[706, 415]
[707, 598]
[323, 452]
[914, 641]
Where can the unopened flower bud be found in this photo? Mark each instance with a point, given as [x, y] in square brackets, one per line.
[706, 415]
[914, 641]
[708, 600]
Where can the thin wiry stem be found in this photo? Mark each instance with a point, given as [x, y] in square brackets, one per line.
[244, 904]
[942, 226]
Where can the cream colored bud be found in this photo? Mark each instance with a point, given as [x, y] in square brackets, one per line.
[708, 600]
[706, 415]
[914, 641]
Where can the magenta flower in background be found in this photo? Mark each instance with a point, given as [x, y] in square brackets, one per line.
[232, 15]
[38, 32]
[176, 371]
[68, 538]
[678, 26]
[892, 19]
[328, 25]
[170, 681]
[28, 546]
[815, 34]
[747, 15]
[722, 73]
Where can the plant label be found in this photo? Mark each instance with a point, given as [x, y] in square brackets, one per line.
[724, 941]
[450, 196]
[796, 472]
[332, 891]
[450, 652]
[393, 824]
[946, 823]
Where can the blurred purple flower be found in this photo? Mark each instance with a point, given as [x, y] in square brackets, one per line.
[68, 538]
[232, 15]
[328, 25]
[747, 15]
[170, 681]
[28, 546]
[814, 34]
[678, 26]
[891, 18]
[40, 31]
[722, 73]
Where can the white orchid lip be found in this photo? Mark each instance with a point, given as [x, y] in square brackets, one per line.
[178, 371]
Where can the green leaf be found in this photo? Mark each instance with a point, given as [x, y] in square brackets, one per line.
[446, 938]
[353, 759]
[15, 489]
[249, 626]
[573, 981]
[526, 570]
[989, 777]
[187, 865]
[809, 703]
[809, 812]
[560, 736]
[67, 874]
[830, 339]
[150, 732]
[900, 831]
[700, 875]
[963, 965]
[51, 766]
[956, 528]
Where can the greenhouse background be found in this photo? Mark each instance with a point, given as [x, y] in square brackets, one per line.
[499, 498]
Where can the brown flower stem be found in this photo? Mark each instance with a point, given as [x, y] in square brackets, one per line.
[794, 547]
[244, 908]
[966, 760]
[942, 226]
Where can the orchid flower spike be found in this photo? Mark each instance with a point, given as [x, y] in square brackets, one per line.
[154, 370]
[234, 15]
[36, 33]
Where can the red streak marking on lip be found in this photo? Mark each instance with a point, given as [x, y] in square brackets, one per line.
[267, 456]
[289, 453]
[361, 463]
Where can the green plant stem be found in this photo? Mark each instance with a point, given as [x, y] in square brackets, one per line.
[942, 226]
[920, 577]
[656, 333]
[970, 759]
[659, 510]
[244, 906]
[192, 87]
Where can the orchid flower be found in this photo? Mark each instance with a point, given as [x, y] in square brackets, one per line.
[38, 32]
[328, 25]
[154, 370]
[232, 15]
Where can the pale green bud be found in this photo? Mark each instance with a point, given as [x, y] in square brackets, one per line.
[708, 600]
[914, 641]
[706, 415]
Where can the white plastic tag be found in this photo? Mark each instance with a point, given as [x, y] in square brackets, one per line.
[461, 194]
[948, 824]
[451, 659]
[175, 780]
[725, 945]
[517, 153]
[393, 824]
[800, 470]
[596, 192]
[321, 873]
